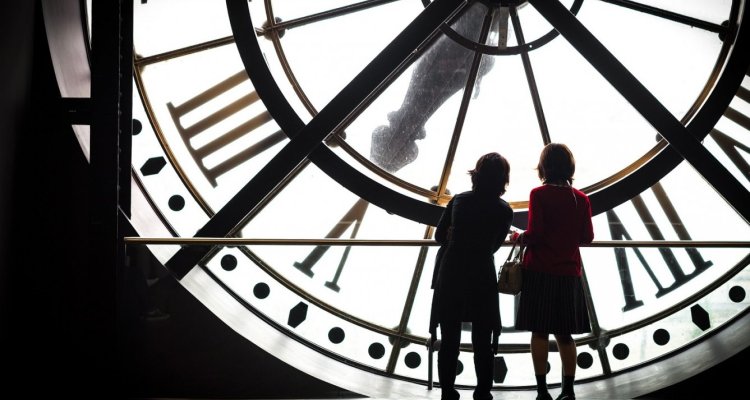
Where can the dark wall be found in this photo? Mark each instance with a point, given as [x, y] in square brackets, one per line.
[56, 327]
[62, 333]
[16, 39]
[49, 332]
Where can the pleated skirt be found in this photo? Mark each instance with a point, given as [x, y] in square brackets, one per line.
[552, 304]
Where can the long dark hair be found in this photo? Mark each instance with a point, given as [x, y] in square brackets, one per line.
[491, 174]
[556, 164]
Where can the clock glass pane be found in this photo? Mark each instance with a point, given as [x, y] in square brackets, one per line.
[415, 117]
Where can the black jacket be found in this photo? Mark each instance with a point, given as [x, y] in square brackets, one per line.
[471, 230]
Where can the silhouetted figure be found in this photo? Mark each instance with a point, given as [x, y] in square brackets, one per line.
[472, 228]
[552, 298]
[440, 73]
[153, 284]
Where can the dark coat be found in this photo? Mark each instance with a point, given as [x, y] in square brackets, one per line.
[471, 230]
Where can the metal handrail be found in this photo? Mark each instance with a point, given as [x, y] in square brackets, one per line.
[506, 348]
[233, 241]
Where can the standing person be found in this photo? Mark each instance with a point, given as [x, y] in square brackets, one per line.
[552, 300]
[471, 229]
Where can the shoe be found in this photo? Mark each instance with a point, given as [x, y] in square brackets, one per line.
[487, 396]
[566, 396]
[545, 396]
[449, 394]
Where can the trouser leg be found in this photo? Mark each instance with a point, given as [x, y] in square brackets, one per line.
[450, 336]
[481, 339]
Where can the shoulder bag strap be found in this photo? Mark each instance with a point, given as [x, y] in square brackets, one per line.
[510, 255]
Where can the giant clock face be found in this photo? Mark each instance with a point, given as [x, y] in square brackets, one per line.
[304, 120]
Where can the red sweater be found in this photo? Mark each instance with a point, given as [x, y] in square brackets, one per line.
[559, 220]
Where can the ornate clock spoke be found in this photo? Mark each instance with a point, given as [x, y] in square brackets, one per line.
[678, 136]
[502, 28]
[596, 328]
[530, 78]
[234, 213]
[143, 61]
[397, 343]
[322, 16]
[672, 16]
[463, 108]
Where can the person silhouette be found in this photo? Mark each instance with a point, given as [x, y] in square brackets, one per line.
[552, 299]
[472, 228]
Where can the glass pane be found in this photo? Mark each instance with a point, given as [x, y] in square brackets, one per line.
[683, 327]
[327, 54]
[661, 278]
[371, 282]
[294, 9]
[715, 11]
[212, 121]
[500, 118]
[166, 192]
[189, 22]
[672, 60]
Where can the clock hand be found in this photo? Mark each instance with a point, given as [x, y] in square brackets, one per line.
[537, 101]
[332, 117]
[678, 136]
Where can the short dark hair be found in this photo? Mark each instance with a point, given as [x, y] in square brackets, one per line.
[556, 163]
[491, 174]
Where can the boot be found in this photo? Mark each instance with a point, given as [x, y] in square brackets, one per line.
[541, 388]
[567, 389]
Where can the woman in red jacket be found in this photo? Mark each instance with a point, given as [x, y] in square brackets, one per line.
[552, 299]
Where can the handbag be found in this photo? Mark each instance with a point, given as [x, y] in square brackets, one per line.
[509, 277]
